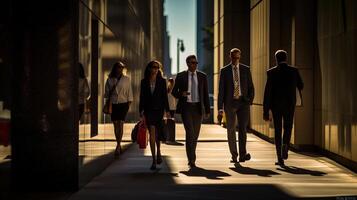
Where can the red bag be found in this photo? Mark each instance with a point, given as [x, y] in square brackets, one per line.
[142, 139]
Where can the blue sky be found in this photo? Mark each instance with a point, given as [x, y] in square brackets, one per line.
[181, 24]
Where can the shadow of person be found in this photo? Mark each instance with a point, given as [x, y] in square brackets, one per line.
[174, 143]
[209, 174]
[251, 171]
[297, 170]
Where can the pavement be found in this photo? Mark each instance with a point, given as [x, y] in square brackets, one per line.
[304, 177]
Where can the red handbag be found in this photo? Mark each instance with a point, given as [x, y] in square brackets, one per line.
[142, 139]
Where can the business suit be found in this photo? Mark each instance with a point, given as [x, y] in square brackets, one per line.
[191, 112]
[280, 98]
[154, 104]
[236, 108]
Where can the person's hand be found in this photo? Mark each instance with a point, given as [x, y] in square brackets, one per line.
[168, 115]
[185, 93]
[220, 116]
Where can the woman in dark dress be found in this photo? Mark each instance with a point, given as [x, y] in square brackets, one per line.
[153, 105]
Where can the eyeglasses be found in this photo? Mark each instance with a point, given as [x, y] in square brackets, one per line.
[193, 62]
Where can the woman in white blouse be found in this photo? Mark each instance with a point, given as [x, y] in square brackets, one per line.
[119, 86]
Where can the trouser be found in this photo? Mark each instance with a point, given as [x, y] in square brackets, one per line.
[240, 112]
[192, 118]
[282, 119]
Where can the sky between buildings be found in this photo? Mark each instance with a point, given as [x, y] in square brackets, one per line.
[181, 23]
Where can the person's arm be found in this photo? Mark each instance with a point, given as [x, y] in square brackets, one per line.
[107, 88]
[130, 94]
[250, 87]
[221, 90]
[141, 100]
[206, 95]
[267, 98]
[164, 94]
[300, 83]
[176, 90]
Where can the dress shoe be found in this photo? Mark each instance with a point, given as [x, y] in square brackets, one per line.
[280, 162]
[192, 165]
[244, 158]
[159, 159]
[284, 151]
[153, 166]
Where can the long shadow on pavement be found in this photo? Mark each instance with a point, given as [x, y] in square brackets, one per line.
[251, 171]
[298, 170]
[209, 174]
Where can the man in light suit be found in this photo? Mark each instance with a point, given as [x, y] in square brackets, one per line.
[236, 94]
[280, 98]
[191, 90]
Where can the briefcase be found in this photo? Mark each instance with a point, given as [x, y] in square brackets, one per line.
[170, 130]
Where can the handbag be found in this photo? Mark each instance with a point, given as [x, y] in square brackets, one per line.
[107, 108]
[142, 139]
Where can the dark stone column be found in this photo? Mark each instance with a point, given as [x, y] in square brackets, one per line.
[237, 28]
[45, 86]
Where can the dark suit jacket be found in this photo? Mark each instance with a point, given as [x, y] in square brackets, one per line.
[181, 85]
[280, 88]
[226, 86]
[156, 101]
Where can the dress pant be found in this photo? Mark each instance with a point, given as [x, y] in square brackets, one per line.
[282, 118]
[241, 111]
[192, 118]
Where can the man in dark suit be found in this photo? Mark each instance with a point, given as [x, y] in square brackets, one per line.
[236, 94]
[193, 102]
[280, 98]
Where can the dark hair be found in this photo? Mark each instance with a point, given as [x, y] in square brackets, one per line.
[113, 72]
[189, 57]
[281, 56]
[147, 72]
[81, 71]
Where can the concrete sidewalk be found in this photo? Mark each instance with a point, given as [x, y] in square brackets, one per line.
[305, 176]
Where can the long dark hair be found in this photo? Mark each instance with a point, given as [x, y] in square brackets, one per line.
[81, 71]
[147, 72]
[113, 72]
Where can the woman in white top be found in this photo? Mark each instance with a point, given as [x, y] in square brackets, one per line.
[121, 98]
[83, 90]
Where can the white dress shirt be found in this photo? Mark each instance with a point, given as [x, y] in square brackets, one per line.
[189, 97]
[123, 92]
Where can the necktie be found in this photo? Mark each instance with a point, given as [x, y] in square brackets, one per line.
[236, 82]
[193, 88]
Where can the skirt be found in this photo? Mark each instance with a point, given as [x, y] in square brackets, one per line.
[155, 118]
[119, 111]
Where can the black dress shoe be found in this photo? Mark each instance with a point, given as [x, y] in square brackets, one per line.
[284, 151]
[280, 163]
[153, 167]
[159, 159]
[192, 165]
[244, 158]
